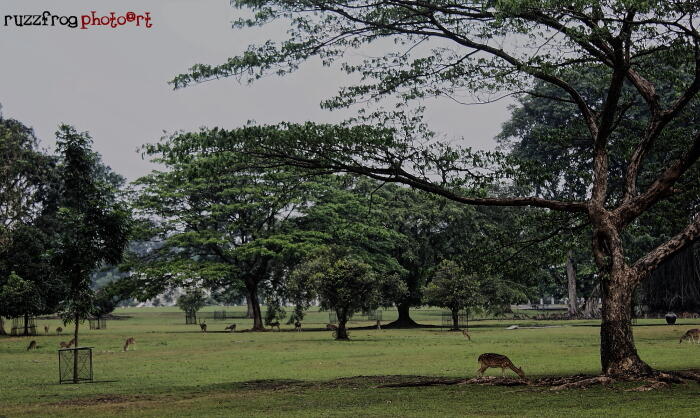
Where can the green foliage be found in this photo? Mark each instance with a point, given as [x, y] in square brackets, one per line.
[211, 221]
[20, 297]
[453, 288]
[93, 225]
[275, 311]
[111, 295]
[25, 177]
[344, 284]
[192, 301]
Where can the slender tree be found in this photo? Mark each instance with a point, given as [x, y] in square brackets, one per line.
[93, 224]
[503, 47]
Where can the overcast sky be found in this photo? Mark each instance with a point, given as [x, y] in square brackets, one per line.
[113, 82]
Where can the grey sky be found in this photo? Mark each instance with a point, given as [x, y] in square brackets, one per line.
[113, 82]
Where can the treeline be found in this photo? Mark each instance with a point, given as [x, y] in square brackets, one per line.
[283, 235]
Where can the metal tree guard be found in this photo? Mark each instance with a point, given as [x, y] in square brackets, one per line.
[190, 317]
[75, 365]
[18, 326]
[97, 323]
[462, 320]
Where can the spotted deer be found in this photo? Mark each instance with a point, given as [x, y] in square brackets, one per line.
[487, 360]
[231, 328]
[297, 326]
[692, 335]
[68, 344]
[203, 326]
[275, 324]
[466, 334]
[379, 325]
[129, 342]
[46, 330]
[59, 330]
[32, 345]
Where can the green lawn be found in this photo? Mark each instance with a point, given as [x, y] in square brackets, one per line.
[176, 370]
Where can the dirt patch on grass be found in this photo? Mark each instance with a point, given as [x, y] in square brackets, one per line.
[101, 400]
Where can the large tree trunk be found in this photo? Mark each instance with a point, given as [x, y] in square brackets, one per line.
[618, 354]
[2, 327]
[26, 324]
[404, 320]
[255, 305]
[455, 319]
[342, 332]
[571, 279]
[249, 312]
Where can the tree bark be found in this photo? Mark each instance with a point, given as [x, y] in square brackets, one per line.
[249, 312]
[342, 332]
[2, 327]
[26, 324]
[404, 320]
[618, 354]
[255, 305]
[571, 279]
[455, 319]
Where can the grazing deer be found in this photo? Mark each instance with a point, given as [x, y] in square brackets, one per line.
[203, 326]
[275, 324]
[59, 330]
[466, 334]
[68, 344]
[297, 326]
[691, 334]
[331, 327]
[32, 345]
[487, 360]
[231, 328]
[379, 325]
[46, 330]
[129, 342]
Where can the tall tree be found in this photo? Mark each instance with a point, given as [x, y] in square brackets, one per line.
[27, 212]
[216, 224]
[24, 177]
[93, 224]
[503, 47]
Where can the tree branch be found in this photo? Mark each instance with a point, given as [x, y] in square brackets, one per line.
[645, 265]
[660, 188]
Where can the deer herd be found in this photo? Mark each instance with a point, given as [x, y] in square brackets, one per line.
[486, 360]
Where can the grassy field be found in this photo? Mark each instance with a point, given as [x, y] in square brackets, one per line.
[176, 370]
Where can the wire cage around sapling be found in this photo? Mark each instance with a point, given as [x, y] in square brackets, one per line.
[19, 328]
[75, 365]
[190, 317]
[462, 320]
[375, 315]
[97, 323]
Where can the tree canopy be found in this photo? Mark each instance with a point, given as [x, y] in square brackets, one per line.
[492, 48]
